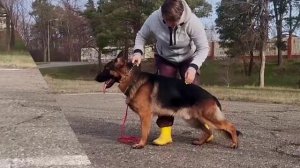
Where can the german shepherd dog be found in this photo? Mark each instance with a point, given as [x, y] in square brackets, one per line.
[150, 94]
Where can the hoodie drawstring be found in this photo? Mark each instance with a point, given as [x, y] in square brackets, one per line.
[175, 29]
[171, 38]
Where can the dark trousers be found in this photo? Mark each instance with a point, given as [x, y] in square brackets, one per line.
[169, 69]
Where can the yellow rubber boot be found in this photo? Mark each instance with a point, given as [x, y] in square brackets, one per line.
[211, 137]
[165, 136]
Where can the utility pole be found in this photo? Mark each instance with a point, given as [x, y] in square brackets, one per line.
[48, 48]
[49, 39]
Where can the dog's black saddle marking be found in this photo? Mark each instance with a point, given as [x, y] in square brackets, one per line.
[174, 93]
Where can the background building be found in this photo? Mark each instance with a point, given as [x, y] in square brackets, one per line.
[2, 28]
[2, 18]
[216, 52]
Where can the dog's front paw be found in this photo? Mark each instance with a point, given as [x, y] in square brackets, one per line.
[137, 146]
[198, 142]
[234, 145]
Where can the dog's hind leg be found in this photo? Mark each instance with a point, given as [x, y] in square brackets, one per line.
[215, 118]
[204, 138]
[230, 128]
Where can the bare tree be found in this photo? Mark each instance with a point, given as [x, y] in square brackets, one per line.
[243, 27]
[40, 30]
[263, 27]
[10, 28]
[64, 32]
[22, 22]
[77, 33]
[280, 8]
[237, 24]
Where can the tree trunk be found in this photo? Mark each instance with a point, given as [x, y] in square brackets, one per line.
[263, 41]
[289, 44]
[279, 45]
[12, 36]
[45, 49]
[262, 68]
[245, 65]
[278, 20]
[99, 58]
[251, 63]
[8, 33]
[280, 57]
[45, 54]
[69, 42]
[69, 51]
[48, 42]
[289, 48]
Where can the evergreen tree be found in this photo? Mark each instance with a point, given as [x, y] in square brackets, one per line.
[116, 22]
[237, 27]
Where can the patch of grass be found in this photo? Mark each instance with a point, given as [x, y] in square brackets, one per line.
[74, 86]
[213, 78]
[16, 59]
[222, 73]
[255, 94]
[288, 75]
[79, 72]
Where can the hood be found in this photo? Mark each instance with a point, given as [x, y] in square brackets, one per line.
[186, 14]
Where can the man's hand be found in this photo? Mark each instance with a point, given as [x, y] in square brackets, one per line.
[190, 75]
[136, 58]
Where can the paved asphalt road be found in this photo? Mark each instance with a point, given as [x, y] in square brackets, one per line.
[271, 135]
[34, 132]
[39, 129]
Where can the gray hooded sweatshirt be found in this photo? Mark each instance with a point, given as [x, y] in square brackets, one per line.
[187, 40]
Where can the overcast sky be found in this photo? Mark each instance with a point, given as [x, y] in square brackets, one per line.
[81, 4]
[211, 19]
[209, 22]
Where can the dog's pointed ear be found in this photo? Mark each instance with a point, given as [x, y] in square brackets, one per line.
[121, 59]
[121, 54]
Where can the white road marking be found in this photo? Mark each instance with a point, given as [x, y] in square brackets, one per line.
[66, 160]
[10, 69]
[78, 94]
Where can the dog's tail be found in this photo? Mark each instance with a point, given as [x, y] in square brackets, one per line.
[218, 103]
[227, 133]
[238, 133]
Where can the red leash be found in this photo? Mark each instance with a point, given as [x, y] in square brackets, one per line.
[127, 139]
[123, 138]
[104, 88]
